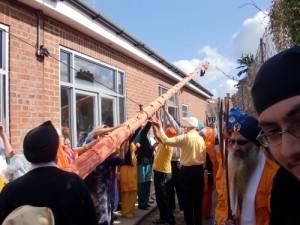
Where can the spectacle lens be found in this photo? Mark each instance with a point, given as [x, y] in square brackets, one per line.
[271, 139]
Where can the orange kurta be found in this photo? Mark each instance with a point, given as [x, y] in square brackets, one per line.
[128, 184]
[208, 190]
[262, 198]
[61, 158]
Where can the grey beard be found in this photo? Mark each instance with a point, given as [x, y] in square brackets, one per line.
[241, 168]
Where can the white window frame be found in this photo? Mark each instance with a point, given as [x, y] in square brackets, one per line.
[114, 106]
[98, 92]
[185, 111]
[160, 92]
[4, 95]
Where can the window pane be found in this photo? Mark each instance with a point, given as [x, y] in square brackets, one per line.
[173, 101]
[184, 111]
[163, 90]
[107, 111]
[89, 73]
[1, 49]
[64, 66]
[85, 118]
[122, 110]
[120, 83]
[65, 111]
[173, 112]
[2, 93]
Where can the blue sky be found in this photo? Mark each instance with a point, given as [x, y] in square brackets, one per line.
[187, 33]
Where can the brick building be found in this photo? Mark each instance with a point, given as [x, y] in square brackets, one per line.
[64, 61]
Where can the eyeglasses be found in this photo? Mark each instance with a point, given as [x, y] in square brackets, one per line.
[271, 139]
[238, 142]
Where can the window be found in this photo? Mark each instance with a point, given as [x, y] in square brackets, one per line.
[91, 94]
[185, 111]
[4, 113]
[173, 102]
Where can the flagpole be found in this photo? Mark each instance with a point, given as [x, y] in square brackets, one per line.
[89, 160]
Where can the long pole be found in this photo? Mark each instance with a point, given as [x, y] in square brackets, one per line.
[229, 211]
[89, 160]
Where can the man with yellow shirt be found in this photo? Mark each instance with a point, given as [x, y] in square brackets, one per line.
[192, 161]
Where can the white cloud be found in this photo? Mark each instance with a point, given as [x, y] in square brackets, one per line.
[225, 87]
[247, 39]
[243, 42]
[214, 80]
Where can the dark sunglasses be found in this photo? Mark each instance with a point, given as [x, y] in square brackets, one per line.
[238, 142]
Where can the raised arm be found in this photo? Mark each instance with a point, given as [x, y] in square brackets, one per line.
[8, 148]
[171, 120]
[145, 130]
[103, 131]
[156, 122]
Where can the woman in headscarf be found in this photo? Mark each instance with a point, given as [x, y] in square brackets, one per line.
[209, 177]
[128, 179]
[102, 180]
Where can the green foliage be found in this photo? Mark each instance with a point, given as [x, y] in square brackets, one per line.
[244, 63]
[285, 23]
[234, 99]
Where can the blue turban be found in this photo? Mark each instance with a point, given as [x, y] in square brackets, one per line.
[234, 114]
[200, 125]
[248, 127]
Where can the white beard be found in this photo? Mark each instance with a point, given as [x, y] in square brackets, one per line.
[241, 168]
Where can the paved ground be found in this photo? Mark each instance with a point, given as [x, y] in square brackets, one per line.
[146, 217]
[178, 218]
[148, 220]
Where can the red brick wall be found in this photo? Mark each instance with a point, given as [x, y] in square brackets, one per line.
[34, 85]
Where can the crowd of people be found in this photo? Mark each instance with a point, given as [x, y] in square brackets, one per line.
[256, 181]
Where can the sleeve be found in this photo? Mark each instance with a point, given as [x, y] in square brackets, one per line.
[145, 130]
[137, 137]
[134, 136]
[174, 141]
[15, 164]
[173, 123]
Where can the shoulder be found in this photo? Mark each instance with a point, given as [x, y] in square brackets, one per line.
[271, 166]
[285, 179]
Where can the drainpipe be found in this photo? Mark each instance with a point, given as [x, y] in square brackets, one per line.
[41, 52]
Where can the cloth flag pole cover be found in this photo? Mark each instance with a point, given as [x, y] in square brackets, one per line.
[89, 160]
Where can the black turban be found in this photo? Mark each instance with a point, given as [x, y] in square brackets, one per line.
[277, 79]
[41, 143]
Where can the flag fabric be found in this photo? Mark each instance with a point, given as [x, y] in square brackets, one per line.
[202, 72]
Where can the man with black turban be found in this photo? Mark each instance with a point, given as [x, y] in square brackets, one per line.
[46, 185]
[276, 97]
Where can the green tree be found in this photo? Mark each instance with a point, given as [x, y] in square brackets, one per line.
[285, 23]
[244, 63]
